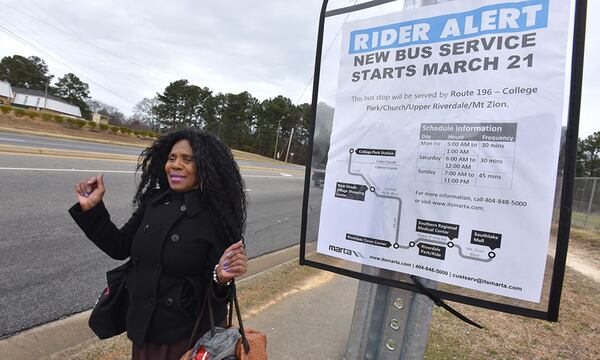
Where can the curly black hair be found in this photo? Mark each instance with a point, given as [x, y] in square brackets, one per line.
[222, 184]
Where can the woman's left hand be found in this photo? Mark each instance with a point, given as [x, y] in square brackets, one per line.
[233, 263]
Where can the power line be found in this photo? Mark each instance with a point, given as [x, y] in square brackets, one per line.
[57, 59]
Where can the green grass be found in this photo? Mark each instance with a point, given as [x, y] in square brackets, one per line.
[578, 219]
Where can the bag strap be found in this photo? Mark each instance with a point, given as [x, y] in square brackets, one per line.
[245, 343]
[201, 308]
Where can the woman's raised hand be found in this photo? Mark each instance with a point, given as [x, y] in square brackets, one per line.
[233, 263]
[90, 192]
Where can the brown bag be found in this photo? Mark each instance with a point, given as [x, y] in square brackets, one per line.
[258, 346]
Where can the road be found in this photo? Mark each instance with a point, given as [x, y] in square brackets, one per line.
[86, 146]
[49, 270]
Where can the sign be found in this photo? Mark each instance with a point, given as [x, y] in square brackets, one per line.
[445, 143]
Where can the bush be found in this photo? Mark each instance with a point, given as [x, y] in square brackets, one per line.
[139, 132]
[32, 114]
[125, 130]
[76, 123]
[91, 124]
[19, 112]
[58, 119]
[46, 117]
[5, 109]
[104, 127]
[114, 129]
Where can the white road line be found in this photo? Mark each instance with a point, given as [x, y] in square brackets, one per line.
[69, 170]
[284, 174]
[9, 139]
[130, 172]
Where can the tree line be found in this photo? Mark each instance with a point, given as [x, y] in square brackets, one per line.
[242, 121]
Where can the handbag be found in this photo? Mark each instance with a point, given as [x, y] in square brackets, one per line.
[108, 317]
[226, 343]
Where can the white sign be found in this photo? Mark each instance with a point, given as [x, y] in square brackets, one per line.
[445, 143]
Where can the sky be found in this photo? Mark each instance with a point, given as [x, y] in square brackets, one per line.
[129, 50]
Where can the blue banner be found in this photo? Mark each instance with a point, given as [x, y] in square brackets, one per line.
[493, 19]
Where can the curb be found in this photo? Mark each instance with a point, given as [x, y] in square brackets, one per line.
[72, 334]
[26, 150]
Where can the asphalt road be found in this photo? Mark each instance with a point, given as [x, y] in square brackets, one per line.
[49, 270]
[76, 145]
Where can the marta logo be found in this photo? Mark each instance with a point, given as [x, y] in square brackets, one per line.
[345, 251]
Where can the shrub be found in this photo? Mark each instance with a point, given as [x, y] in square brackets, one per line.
[5, 109]
[76, 123]
[46, 117]
[32, 114]
[58, 119]
[125, 130]
[104, 127]
[139, 132]
[19, 112]
[91, 124]
[114, 129]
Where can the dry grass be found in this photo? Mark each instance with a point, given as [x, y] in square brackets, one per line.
[575, 336]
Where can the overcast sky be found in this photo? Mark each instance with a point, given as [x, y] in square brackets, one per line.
[128, 50]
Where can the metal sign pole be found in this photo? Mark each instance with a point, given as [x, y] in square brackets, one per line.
[390, 323]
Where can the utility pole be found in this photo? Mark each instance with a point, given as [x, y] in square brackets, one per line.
[289, 144]
[390, 323]
[276, 140]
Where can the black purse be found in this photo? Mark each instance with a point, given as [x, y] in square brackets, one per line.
[109, 314]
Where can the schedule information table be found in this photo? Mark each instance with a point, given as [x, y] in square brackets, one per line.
[470, 154]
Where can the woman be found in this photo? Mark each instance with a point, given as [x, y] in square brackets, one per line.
[183, 237]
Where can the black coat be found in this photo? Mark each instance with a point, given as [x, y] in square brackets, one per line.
[173, 248]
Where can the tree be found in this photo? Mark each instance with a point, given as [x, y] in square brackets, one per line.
[29, 73]
[273, 115]
[182, 105]
[588, 156]
[75, 91]
[144, 113]
[237, 120]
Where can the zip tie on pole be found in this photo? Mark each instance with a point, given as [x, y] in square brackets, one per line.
[440, 302]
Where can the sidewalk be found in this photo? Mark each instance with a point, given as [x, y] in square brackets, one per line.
[311, 324]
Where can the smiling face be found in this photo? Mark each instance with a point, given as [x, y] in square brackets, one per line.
[181, 168]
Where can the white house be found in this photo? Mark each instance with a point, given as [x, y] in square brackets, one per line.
[6, 93]
[38, 100]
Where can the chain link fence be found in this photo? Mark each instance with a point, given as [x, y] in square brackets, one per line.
[586, 203]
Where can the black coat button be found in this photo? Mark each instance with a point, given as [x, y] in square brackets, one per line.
[183, 208]
[151, 303]
[136, 261]
[146, 227]
[175, 238]
[157, 268]
[169, 302]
